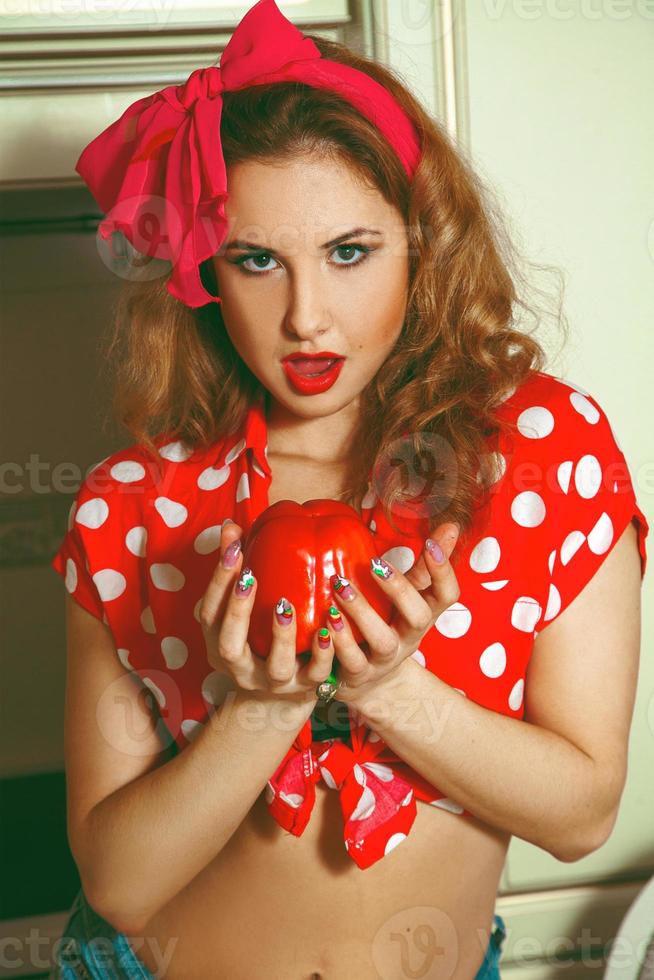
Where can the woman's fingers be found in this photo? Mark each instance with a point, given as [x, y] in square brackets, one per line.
[280, 664]
[214, 601]
[317, 667]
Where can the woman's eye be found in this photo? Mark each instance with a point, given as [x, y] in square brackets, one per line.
[260, 270]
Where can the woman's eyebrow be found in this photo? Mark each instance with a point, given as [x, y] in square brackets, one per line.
[252, 246]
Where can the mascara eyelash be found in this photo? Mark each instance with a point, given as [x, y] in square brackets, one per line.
[365, 249]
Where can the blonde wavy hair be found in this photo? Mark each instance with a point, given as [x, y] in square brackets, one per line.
[462, 349]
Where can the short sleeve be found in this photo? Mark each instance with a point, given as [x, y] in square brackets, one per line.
[588, 497]
[71, 561]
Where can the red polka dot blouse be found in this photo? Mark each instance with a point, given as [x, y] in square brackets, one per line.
[141, 547]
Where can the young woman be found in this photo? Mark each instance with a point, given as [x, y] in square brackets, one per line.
[490, 697]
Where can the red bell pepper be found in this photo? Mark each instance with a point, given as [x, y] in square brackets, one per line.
[293, 549]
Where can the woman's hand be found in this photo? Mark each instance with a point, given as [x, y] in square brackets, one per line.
[389, 644]
[224, 616]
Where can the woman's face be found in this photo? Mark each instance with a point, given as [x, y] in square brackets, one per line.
[290, 294]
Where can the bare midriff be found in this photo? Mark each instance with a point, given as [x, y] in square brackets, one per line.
[273, 906]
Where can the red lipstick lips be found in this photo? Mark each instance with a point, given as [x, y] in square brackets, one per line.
[311, 374]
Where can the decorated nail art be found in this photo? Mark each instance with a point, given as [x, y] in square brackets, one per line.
[323, 637]
[284, 612]
[435, 550]
[336, 619]
[380, 567]
[342, 587]
[230, 557]
[245, 583]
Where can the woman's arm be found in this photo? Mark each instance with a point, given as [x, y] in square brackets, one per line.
[141, 828]
[554, 778]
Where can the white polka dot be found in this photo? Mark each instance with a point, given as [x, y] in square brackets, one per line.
[123, 656]
[373, 737]
[127, 471]
[419, 657]
[216, 686]
[110, 583]
[373, 526]
[369, 499]
[571, 545]
[211, 478]
[495, 586]
[359, 774]
[208, 540]
[243, 488]
[176, 452]
[293, 799]
[147, 620]
[167, 577]
[70, 580]
[445, 803]
[493, 660]
[460, 691]
[257, 469]
[581, 404]
[171, 511]
[366, 805]
[269, 793]
[327, 776]
[485, 556]
[563, 474]
[400, 557]
[492, 468]
[385, 773]
[235, 452]
[515, 697]
[393, 841]
[71, 514]
[156, 690]
[454, 621]
[588, 476]
[175, 652]
[191, 728]
[528, 509]
[93, 513]
[525, 613]
[601, 536]
[535, 422]
[136, 540]
[550, 560]
[323, 755]
[196, 608]
[407, 799]
[553, 602]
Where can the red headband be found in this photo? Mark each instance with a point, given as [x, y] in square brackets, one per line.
[159, 168]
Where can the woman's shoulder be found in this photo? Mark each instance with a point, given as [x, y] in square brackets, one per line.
[551, 414]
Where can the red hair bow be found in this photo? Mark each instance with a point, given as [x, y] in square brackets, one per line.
[158, 171]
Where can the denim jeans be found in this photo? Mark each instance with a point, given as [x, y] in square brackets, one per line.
[91, 949]
[489, 969]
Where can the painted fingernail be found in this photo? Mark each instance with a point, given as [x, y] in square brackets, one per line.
[336, 619]
[245, 583]
[380, 567]
[435, 550]
[232, 552]
[324, 638]
[284, 612]
[342, 587]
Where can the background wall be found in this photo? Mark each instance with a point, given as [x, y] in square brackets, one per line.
[551, 102]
